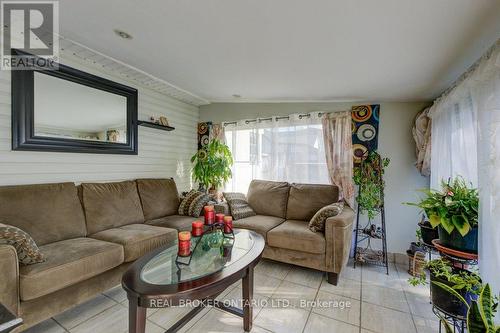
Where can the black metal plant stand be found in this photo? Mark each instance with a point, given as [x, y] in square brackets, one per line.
[364, 235]
[458, 323]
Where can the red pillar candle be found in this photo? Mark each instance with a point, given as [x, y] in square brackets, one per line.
[196, 228]
[209, 215]
[184, 244]
[228, 224]
[219, 218]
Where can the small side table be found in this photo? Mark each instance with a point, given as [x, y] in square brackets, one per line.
[8, 321]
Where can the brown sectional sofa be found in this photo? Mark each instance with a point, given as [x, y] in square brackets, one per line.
[91, 233]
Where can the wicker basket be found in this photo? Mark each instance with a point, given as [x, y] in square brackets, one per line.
[416, 263]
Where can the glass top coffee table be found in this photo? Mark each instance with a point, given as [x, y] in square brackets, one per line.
[162, 279]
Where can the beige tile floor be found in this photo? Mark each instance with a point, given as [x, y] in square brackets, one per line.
[366, 300]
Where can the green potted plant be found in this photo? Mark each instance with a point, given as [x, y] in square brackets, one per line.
[454, 210]
[443, 277]
[480, 313]
[212, 165]
[371, 184]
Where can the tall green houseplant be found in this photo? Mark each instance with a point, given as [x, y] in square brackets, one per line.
[212, 165]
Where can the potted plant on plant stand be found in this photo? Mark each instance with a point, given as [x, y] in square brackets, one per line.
[454, 210]
[212, 166]
[444, 276]
[427, 232]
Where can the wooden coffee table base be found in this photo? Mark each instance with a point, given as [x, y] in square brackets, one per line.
[137, 313]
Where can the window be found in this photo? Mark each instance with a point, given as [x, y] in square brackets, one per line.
[284, 151]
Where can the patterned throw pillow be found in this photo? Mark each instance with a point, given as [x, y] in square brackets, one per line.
[186, 201]
[238, 205]
[27, 251]
[197, 204]
[317, 222]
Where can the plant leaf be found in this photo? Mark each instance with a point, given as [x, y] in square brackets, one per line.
[460, 224]
[434, 220]
[475, 323]
[447, 224]
[486, 306]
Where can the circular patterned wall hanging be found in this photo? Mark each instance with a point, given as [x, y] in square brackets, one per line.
[204, 140]
[361, 113]
[366, 132]
[360, 152]
[202, 128]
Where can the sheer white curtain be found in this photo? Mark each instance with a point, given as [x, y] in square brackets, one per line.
[454, 139]
[466, 141]
[283, 149]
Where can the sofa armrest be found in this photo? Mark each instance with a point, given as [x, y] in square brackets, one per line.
[338, 234]
[9, 277]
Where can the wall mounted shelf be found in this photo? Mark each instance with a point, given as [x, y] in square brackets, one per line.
[154, 125]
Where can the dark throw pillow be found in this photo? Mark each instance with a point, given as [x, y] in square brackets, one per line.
[27, 251]
[238, 205]
[317, 222]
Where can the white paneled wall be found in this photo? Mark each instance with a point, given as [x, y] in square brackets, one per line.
[161, 153]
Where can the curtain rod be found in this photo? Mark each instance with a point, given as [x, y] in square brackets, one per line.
[277, 118]
[469, 70]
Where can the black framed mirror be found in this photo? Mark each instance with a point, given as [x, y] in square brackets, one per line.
[68, 110]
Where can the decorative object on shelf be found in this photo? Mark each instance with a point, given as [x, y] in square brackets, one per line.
[164, 121]
[369, 178]
[155, 125]
[212, 165]
[365, 120]
[454, 211]
[184, 244]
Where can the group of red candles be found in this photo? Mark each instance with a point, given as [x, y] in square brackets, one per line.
[197, 229]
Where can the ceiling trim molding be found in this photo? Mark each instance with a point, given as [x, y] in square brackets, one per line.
[128, 72]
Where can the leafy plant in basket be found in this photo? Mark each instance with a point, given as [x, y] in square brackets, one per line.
[443, 277]
[480, 313]
[454, 210]
[369, 177]
[212, 165]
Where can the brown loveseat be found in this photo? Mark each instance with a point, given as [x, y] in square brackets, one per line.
[91, 233]
[283, 214]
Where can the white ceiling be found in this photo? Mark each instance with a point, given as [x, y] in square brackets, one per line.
[290, 50]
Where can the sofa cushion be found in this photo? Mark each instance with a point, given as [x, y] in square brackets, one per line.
[68, 262]
[111, 205]
[47, 212]
[317, 222]
[306, 199]
[259, 223]
[268, 198]
[159, 197]
[295, 235]
[137, 239]
[179, 222]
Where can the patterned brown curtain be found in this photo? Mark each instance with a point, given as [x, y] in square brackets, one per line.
[337, 135]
